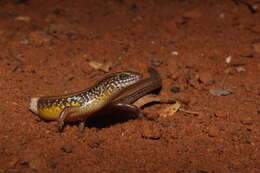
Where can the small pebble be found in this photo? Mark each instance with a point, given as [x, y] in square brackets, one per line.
[94, 141]
[53, 164]
[24, 164]
[221, 15]
[71, 78]
[24, 41]
[175, 53]
[67, 149]
[72, 36]
[247, 142]
[57, 28]
[236, 133]
[213, 131]
[246, 120]
[220, 114]
[254, 8]
[174, 39]
[175, 89]
[156, 62]
[19, 55]
[228, 59]
[240, 69]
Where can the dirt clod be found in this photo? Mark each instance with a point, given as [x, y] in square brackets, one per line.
[213, 131]
[151, 131]
[206, 78]
[246, 120]
[220, 114]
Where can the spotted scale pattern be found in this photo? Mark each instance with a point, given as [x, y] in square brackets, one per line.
[94, 97]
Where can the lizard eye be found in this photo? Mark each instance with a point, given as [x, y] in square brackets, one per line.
[128, 77]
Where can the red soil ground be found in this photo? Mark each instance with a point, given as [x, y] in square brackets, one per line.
[46, 47]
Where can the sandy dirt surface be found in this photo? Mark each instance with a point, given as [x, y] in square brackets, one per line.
[207, 52]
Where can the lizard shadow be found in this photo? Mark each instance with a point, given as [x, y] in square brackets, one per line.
[108, 118]
[111, 116]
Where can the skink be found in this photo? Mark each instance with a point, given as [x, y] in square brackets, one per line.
[119, 90]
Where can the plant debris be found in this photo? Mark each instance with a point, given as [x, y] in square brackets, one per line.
[228, 59]
[170, 110]
[221, 92]
[240, 69]
[23, 18]
[105, 67]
